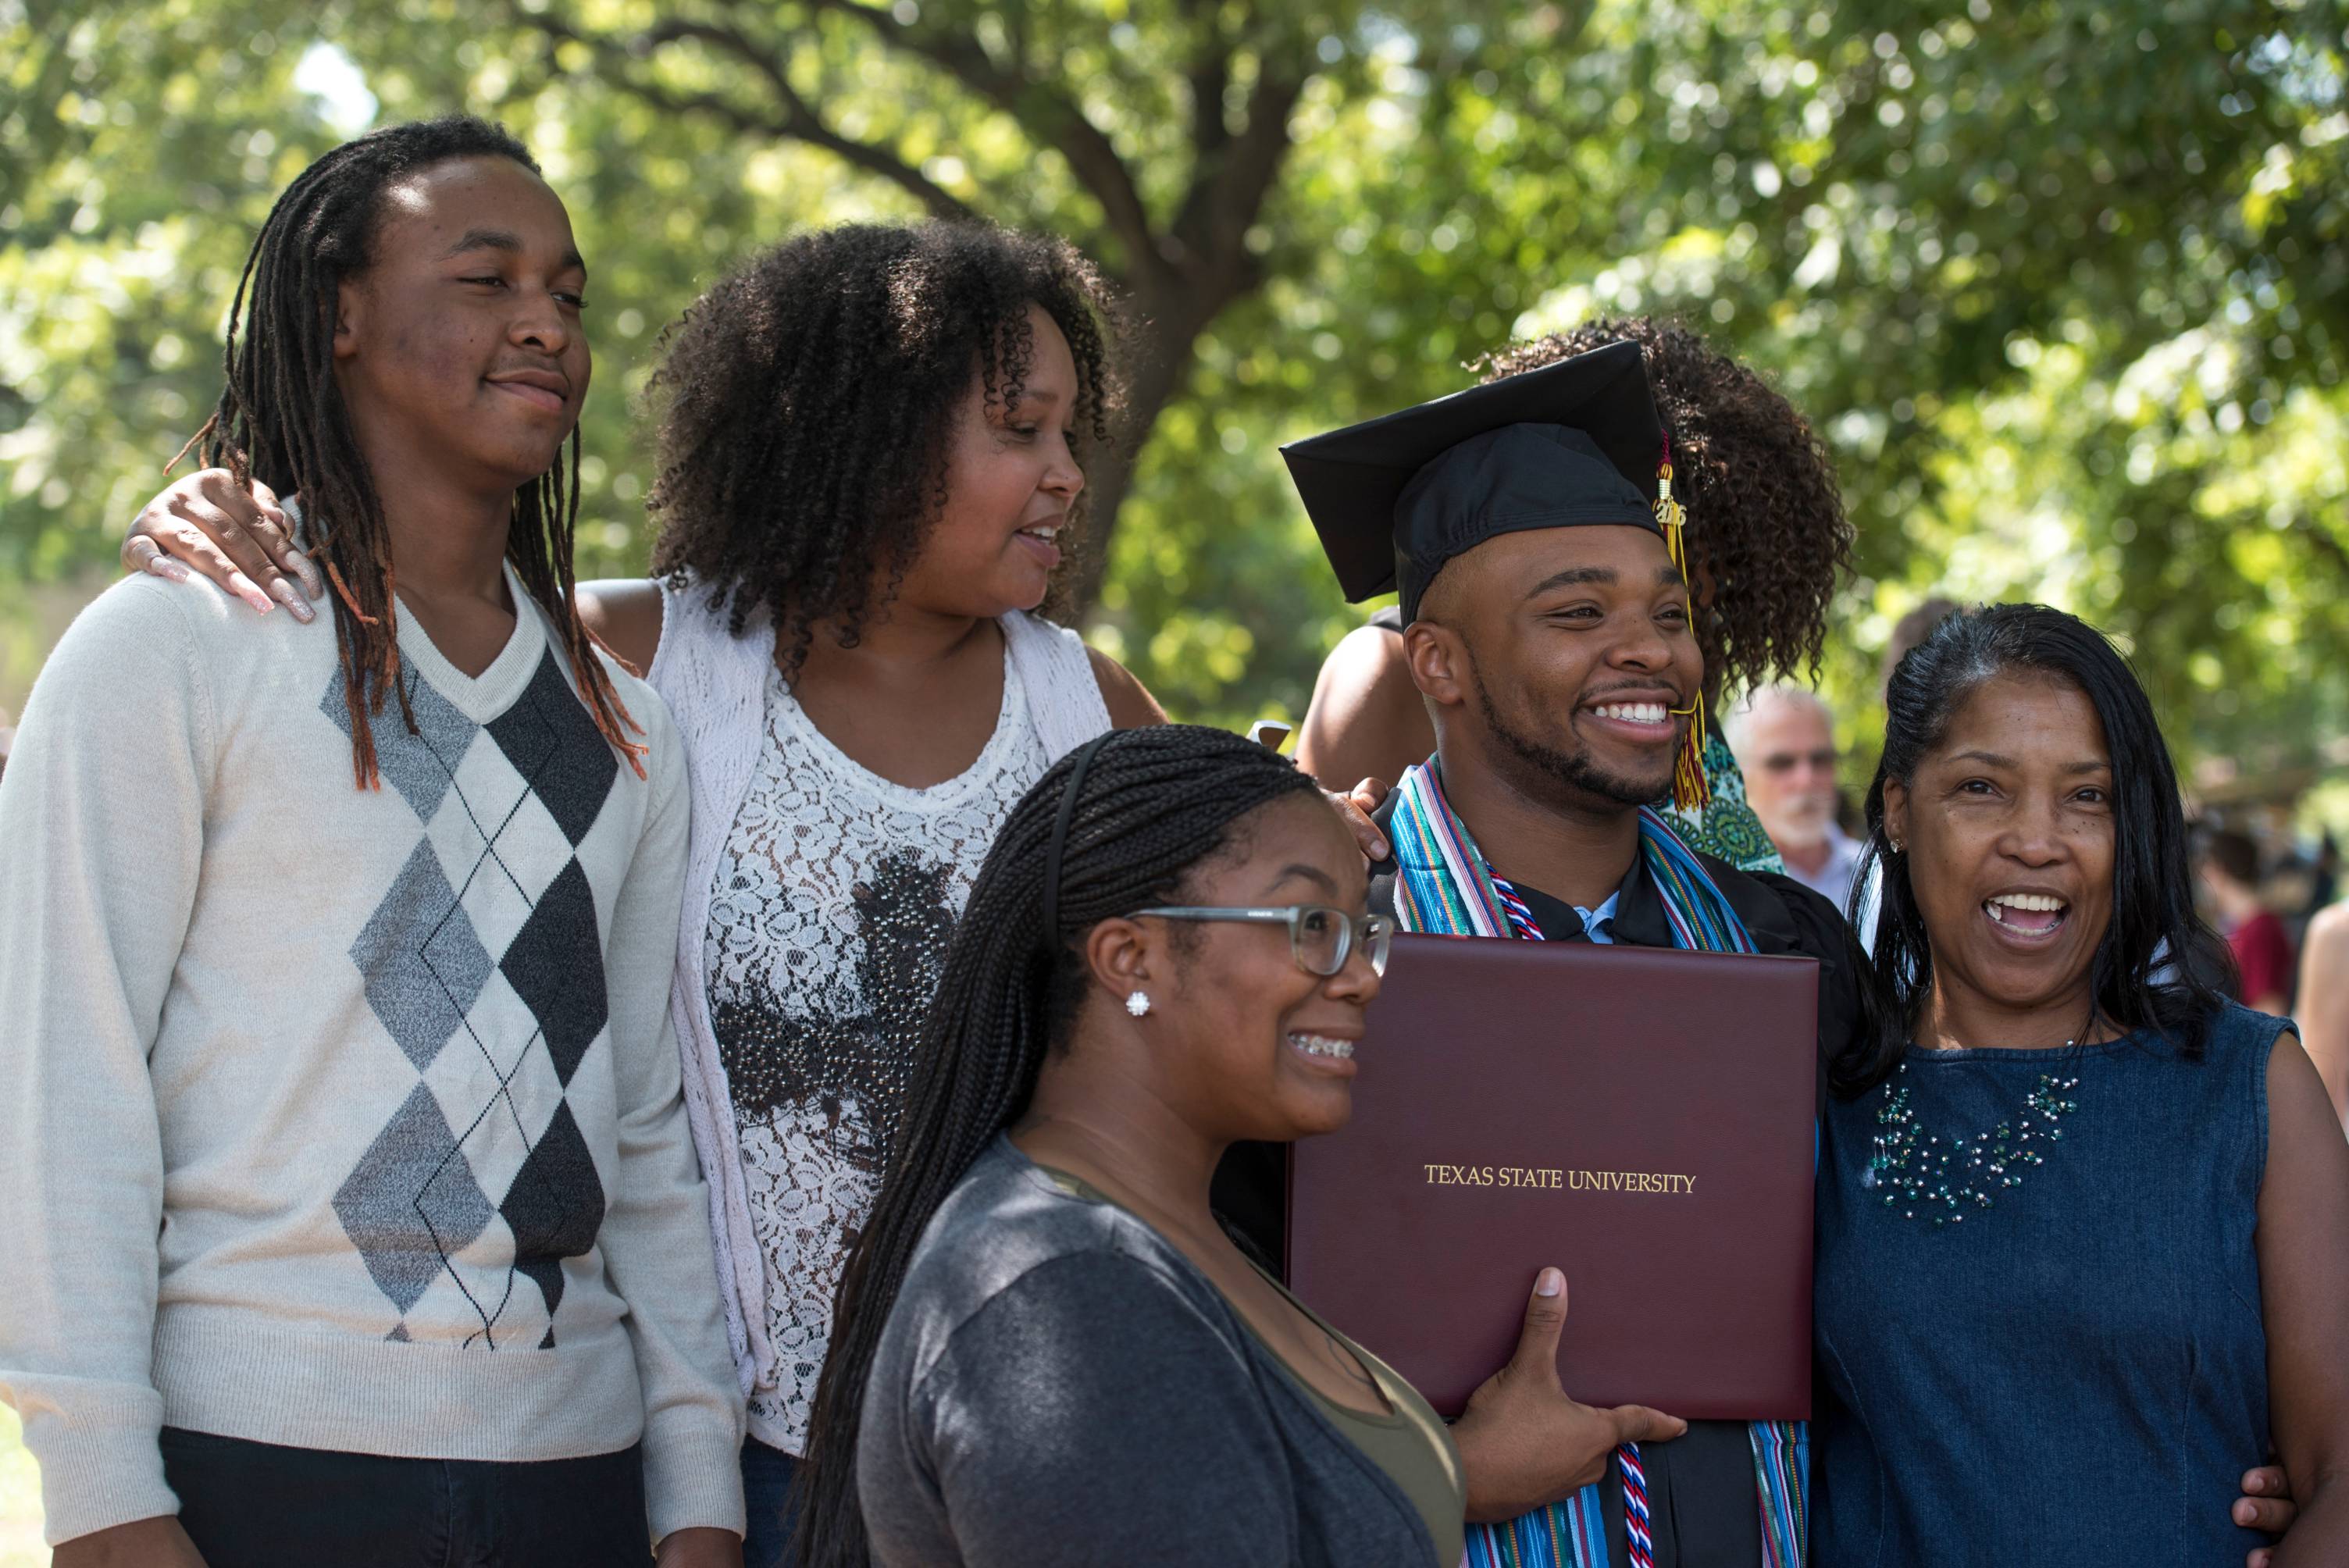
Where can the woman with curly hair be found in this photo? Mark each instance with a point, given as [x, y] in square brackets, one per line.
[1766, 538]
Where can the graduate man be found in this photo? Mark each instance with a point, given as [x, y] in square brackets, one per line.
[1547, 624]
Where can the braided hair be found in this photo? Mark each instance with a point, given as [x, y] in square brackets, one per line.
[2147, 971]
[280, 419]
[1766, 524]
[1151, 806]
[810, 399]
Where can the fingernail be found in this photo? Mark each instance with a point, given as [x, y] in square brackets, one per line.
[2243, 1514]
[285, 593]
[1549, 1283]
[242, 586]
[296, 566]
[165, 567]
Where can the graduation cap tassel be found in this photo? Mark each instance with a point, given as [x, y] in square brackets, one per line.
[1690, 791]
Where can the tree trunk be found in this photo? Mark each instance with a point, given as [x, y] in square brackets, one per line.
[1159, 370]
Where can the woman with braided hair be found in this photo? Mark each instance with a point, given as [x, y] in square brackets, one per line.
[1052, 1352]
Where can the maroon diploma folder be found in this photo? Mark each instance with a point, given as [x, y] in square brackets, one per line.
[1642, 1119]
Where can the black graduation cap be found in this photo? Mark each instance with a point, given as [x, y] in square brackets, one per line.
[1572, 444]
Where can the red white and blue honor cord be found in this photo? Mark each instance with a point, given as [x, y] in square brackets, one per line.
[1639, 1542]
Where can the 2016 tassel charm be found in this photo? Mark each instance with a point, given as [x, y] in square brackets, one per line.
[1691, 791]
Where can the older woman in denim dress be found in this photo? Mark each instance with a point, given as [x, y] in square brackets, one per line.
[2083, 1224]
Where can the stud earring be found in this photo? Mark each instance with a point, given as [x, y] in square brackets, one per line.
[1137, 1003]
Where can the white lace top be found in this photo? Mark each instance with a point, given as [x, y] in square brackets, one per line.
[720, 685]
[836, 898]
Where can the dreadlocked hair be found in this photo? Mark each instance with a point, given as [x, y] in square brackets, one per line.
[1766, 527]
[807, 401]
[1153, 805]
[280, 419]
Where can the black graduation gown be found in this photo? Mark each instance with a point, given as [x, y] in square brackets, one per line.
[1701, 1487]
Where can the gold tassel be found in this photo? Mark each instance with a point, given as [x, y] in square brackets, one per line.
[1690, 789]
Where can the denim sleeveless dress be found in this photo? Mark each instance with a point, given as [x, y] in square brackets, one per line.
[2074, 1372]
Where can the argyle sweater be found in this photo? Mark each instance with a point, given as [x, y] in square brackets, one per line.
[335, 1118]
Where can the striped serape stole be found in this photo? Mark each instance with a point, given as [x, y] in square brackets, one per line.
[1442, 887]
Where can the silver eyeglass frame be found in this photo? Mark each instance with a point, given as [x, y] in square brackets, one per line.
[1376, 932]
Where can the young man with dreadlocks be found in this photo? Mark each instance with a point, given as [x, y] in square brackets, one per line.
[347, 1184]
[1762, 568]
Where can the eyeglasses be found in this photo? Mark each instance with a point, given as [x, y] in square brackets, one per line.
[1787, 762]
[1319, 938]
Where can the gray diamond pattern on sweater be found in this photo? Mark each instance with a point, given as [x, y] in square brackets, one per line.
[418, 765]
[484, 954]
[412, 1200]
[423, 963]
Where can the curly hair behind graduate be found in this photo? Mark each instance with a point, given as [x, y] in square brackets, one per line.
[280, 419]
[1153, 805]
[1767, 524]
[807, 400]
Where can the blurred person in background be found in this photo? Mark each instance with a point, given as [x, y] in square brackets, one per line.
[1910, 630]
[2229, 867]
[2324, 881]
[1783, 739]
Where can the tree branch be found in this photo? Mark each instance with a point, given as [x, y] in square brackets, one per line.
[1229, 183]
[793, 119]
[1049, 115]
[1210, 74]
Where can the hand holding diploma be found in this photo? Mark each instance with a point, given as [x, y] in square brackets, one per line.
[1524, 1442]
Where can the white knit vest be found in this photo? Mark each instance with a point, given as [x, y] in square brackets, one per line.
[715, 685]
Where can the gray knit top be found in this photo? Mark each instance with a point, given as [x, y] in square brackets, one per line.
[1058, 1385]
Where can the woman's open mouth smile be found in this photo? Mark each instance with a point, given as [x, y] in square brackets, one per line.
[2027, 919]
[1041, 540]
[1324, 1053]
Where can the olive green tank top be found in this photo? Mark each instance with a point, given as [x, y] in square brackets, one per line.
[1409, 1442]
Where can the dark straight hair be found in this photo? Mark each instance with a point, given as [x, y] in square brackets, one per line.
[1151, 805]
[2147, 972]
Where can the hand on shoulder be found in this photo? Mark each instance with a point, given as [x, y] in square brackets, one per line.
[237, 536]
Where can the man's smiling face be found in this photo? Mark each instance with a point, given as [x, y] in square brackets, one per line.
[461, 343]
[1578, 651]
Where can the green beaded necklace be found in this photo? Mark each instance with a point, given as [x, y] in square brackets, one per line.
[1943, 1182]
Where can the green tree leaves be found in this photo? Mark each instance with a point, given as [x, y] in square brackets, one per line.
[2066, 285]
